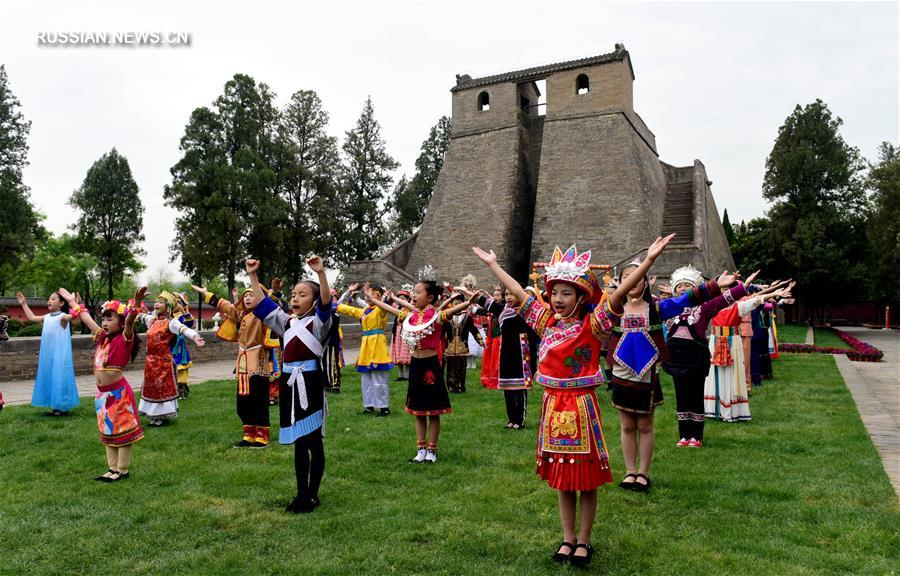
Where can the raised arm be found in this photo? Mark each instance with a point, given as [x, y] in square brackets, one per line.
[251, 266]
[128, 331]
[453, 310]
[655, 249]
[490, 260]
[27, 309]
[386, 307]
[79, 310]
[220, 304]
[318, 266]
[176, 326]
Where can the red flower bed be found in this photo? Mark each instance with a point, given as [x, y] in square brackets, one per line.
[859, 351]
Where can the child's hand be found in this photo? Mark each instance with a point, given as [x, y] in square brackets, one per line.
[751, 278]
[316, 264]
[251, 266]
[140, 293]
[486, 257]
[277, 284]
[67, 296]
[199, 341]
[353, 287]
[725, 279]
[21, 298]
[658, 246]
[199, 289]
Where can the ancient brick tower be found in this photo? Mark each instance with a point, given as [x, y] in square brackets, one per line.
[586, 172]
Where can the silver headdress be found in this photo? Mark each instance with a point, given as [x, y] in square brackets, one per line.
[686, 274]
[428, 274]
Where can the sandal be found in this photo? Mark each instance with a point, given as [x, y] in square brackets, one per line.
[642, 486]
[628, 485]
[562, 556]
[118, 476]
[582, 561]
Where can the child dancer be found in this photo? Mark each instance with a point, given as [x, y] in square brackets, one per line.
[636, 347]
[516, 355]
[54, 385]
[159, 394]
[117, 415]
[571, 452]
[180, 353]
[254, 363]
[426, 396]
[302, 384]
[399, 350]
[374, 361]
[490, 362]
[457, 330]
[689, 357]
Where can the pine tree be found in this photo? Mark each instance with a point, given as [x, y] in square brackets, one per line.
[20, 227]
[366, 183]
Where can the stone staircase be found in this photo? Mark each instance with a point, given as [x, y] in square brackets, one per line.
[679, 213]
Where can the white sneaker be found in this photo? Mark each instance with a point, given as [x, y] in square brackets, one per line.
[431, 457]
[420, 456]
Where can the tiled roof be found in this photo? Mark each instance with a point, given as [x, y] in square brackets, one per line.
[464, 82]
[11, 302]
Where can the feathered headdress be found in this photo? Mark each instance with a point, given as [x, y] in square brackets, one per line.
[469, 281]
[572, 268]
[686, 275]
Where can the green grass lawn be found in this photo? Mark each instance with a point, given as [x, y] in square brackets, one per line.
[795, 333]
[827, 339]
[799, 490]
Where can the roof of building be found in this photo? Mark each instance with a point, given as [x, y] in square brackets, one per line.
[11, 302]
[464, 81]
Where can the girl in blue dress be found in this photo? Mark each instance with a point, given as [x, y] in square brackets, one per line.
[54, 385]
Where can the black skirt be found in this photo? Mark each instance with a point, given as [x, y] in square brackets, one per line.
[687, 358]
[637, 397]
[427, 393]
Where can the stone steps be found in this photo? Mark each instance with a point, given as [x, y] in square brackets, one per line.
[679, 212]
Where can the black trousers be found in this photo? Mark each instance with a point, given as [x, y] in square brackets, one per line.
[253, 409]
[516, 404]
[689, 404]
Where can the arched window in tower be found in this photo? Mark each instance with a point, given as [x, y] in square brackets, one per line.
[582, 84]
[484, 102]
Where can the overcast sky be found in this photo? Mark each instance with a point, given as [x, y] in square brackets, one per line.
[713, 81]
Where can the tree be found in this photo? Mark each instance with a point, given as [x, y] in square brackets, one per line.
[58, 261]
[20, 227]
[365, 184]
[884, 224]
[307, 181]
[411, 201]
[813, 178]
[110, 223]
[224, 186]
[729, 231]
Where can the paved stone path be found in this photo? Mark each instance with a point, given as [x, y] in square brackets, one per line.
[875, 387]
[19, 391]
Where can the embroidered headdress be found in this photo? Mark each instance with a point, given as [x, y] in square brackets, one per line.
[168, 298]
[686, 275]
[571, 268]
[113, 306]
[405, 290]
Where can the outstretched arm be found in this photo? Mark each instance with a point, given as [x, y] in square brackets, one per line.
[251, 266]
[655, 249]
[490, 260]
[27, 309]
[386, 307]
[82, 311]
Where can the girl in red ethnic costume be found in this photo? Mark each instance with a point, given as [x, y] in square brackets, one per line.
[427, 396]
[117, 414]
[571, 452]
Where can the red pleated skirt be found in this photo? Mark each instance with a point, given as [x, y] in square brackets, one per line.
[490, 364]
[571, 449]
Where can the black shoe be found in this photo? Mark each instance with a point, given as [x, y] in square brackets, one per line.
[118, 476]
[369, 410]
[628, 485]
[245, 444]
[259, 445]
[582, 561]
[313, 503]
[103, 478]
[383, 412]
[562, 556]
[641, 486]
[296, 504]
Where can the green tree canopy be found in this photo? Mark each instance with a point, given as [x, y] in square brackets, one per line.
[110, 220]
